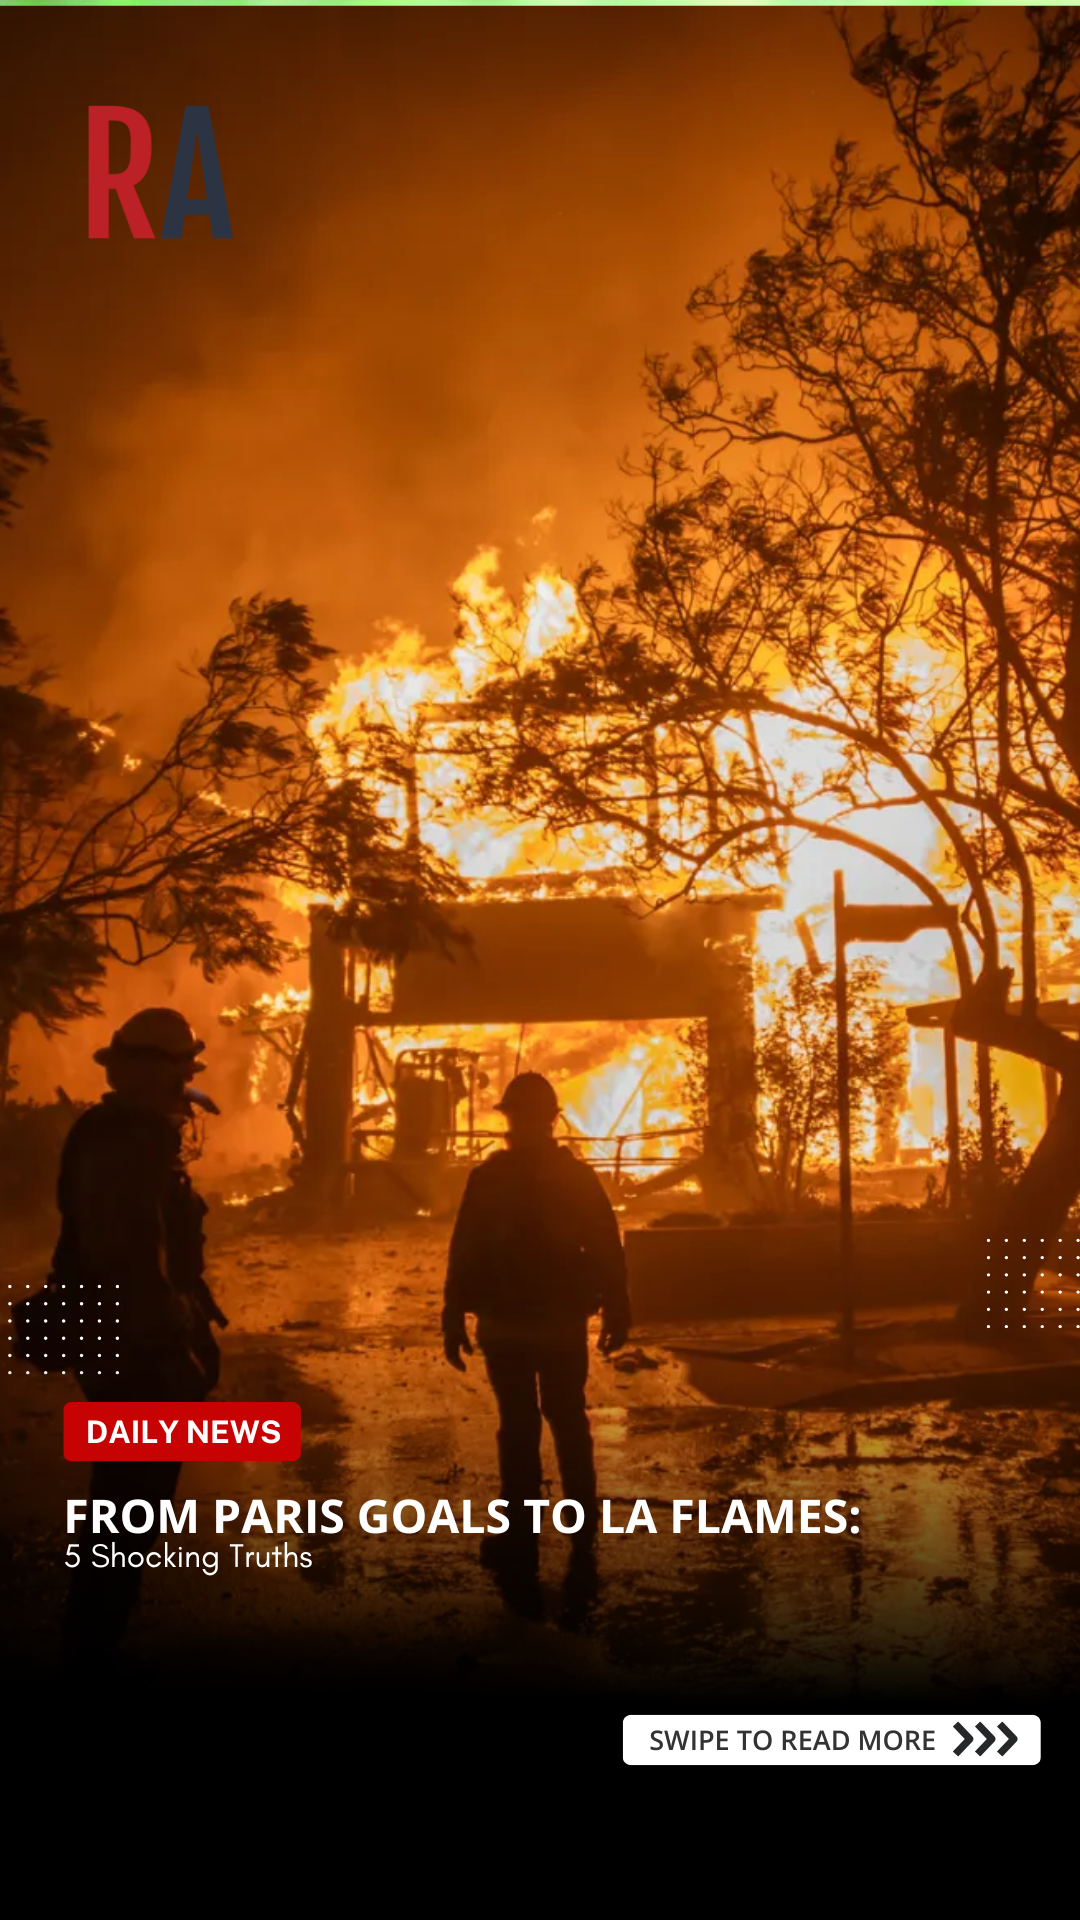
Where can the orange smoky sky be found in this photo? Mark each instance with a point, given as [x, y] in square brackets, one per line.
[455, 236]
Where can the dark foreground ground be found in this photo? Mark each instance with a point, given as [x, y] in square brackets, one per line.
[962, 1586]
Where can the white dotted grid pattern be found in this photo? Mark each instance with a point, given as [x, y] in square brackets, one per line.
[1033, 1284]
[75, 1333]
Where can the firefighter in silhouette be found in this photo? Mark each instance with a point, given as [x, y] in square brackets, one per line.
[127, 1275]
[535, 1252]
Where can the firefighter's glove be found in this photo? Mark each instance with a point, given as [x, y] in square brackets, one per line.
[455, 1343]
[614, 1333]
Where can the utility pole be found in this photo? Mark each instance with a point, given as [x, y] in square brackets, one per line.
[843, 1086]
[885, 922]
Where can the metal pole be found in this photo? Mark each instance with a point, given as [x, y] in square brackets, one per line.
[985, 1080]
[331, 1038]
[843, 1088]
[952, 1118]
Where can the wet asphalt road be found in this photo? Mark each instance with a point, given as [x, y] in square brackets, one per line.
[963, 1582]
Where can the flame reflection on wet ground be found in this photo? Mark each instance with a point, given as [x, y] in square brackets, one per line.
[963, 1580]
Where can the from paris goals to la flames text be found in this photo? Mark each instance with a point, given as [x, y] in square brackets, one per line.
[102, 1518]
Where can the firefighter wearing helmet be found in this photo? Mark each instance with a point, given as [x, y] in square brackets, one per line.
[534, 1253]
[127, 1277]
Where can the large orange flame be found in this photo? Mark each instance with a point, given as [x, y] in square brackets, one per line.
[639, 1083]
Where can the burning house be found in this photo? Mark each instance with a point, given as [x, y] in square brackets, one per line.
[599, 993]
[643, 1019]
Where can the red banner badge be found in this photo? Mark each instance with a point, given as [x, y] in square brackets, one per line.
[182, 1430]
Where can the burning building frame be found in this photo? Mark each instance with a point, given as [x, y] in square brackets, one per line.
[574, 978]
[642, 1015]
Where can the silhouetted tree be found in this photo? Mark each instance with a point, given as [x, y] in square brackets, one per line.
[108, 855]
[47, 759]
[22, 440]
[175, 849]
[1009, 1155]
[861, 523]
[796, 1066]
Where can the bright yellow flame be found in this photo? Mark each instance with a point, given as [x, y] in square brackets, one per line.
[413, 694]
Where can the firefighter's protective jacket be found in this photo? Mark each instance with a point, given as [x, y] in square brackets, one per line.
[131, 1242]
[535, 1243]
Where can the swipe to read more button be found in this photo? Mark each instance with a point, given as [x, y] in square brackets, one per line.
[182, 1430]
[985, 1741]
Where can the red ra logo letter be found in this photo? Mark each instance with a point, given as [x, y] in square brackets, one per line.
[124, 184]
